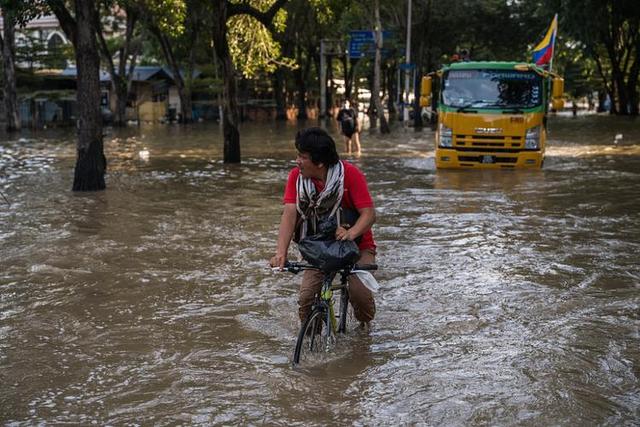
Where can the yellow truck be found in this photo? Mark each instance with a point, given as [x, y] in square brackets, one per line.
[491, 115]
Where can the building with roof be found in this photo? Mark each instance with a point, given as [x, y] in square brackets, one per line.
[47, 95]
[44, 31]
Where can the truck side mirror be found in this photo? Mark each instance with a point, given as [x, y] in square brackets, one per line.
[557, 90]
[425, 92]
[558, 87]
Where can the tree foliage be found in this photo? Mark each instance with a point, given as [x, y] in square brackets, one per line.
[596, 47]
[609, 31]
[168, 15]
[252, 45]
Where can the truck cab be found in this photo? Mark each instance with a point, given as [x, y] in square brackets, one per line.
[491, 115]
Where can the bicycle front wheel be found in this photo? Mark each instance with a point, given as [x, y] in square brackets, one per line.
[314, 337]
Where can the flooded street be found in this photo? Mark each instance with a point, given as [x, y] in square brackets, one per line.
[507, 297]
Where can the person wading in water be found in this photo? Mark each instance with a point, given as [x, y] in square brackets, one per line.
[348, 119]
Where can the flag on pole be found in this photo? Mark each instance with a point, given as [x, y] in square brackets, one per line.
[543, 52]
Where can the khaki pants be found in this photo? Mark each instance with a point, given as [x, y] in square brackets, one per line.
[364, 306]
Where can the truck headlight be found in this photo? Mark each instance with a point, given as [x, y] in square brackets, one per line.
[445, 134]
[532, 138]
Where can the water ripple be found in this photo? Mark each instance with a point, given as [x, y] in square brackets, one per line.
[506, 298]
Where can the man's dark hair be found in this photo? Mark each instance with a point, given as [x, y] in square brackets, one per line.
[318, 144]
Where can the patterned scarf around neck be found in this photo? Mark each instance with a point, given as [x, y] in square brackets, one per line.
[311, 206]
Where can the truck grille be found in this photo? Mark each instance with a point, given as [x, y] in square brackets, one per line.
[494, 143]
[478, 159]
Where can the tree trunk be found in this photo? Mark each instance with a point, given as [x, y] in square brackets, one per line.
[608, 86]
[347, 83]
[390, 84]
[91, 164]
[417, 110]
[300, 75]
[120, 92]
[120, 78]
[377, 70]
[620, 48]
[10, 91]
[371, 109]
[329, 93]
[602, 95]
[353, 80]
[317, 62]
[278, 87]
[186, 106]
[620, 90]
[184, 90]
[632, 85]
[230, 104]
[349, 66]
[217, 66]
[230, 117]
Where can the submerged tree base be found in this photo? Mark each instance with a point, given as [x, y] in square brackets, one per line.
[231, 144]
[91, 167]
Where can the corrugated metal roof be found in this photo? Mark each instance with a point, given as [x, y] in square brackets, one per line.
[73, 72]
[150, 72]
[141, 73]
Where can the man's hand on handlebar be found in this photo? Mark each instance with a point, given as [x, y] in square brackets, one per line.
[278, 261]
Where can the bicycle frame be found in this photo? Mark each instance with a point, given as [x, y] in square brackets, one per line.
[325, 298]
[322, 309]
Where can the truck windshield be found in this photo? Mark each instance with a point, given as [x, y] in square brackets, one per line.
[499, 89]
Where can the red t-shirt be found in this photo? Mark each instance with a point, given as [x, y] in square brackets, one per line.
[356, 195]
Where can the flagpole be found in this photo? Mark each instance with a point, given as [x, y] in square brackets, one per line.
[553, 47]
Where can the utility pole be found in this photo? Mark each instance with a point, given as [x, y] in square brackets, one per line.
[407, 71]
[323, 81]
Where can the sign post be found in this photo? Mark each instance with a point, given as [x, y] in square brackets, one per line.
[362, 43]
[405, 107]
[408, 69]
[328, 49]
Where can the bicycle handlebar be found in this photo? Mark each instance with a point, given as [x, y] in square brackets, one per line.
[297, 267]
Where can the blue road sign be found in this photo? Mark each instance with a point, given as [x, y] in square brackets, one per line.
[362, 43]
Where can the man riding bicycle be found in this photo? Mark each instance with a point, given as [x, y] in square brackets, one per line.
[319, 186]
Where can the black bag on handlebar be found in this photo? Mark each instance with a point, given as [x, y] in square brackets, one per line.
[323, 251]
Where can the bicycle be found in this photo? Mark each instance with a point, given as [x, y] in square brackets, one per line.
[319, 330]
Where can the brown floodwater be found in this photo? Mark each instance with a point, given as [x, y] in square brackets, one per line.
[507, 297]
